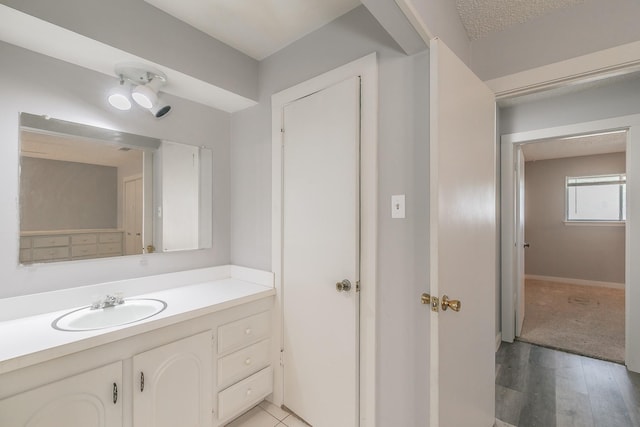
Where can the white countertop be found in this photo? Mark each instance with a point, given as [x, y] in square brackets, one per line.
[30, 340]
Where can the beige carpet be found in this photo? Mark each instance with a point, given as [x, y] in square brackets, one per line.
[586, 320]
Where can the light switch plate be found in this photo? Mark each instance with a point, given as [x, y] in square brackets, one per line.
[397, 206]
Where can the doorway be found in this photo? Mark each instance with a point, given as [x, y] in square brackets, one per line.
[320, 254]
[573, 261]
[363, 71]
[511, 244]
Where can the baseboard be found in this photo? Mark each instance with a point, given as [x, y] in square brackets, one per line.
[498, 340]
[581, 282]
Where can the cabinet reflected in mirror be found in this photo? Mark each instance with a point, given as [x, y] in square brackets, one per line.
[88, 192]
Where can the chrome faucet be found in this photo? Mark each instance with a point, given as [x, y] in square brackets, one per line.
[108, 301]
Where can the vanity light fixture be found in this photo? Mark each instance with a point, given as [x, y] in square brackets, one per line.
[146, 83]
[147, 95]
[119, 97]
[159, 109]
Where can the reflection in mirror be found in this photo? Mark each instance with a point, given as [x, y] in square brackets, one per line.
[87, 192]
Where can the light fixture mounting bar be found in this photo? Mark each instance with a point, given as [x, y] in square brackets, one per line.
[139, 74]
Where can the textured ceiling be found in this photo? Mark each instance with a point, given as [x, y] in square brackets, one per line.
[483, 17]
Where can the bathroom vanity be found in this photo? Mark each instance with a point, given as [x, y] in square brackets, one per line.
[201, 361]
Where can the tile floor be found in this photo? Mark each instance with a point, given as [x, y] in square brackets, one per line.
[540, 387]
[267, 414]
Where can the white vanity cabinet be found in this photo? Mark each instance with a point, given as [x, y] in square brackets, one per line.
[199, 372]
[90, 399]
[172, 384]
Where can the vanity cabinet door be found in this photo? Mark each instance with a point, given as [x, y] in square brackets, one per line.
[173, 384]
[90, 399]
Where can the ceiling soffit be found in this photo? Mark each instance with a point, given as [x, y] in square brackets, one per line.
[256, 28]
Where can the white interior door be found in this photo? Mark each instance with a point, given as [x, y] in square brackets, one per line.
[520, 240]
[463, 243]
[320, 248]
[133, 216]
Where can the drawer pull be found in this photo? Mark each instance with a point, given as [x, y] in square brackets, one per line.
[249, 391]
[248, 361]
[247, 331]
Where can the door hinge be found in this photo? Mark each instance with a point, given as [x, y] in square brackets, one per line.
[281, 357]
[358, 286]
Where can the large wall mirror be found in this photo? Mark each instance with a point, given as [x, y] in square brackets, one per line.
[88, 192]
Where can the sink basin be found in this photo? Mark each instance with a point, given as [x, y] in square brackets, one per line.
[86, 319]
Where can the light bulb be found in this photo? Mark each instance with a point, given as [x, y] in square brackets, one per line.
[147, 95]
[119, 101]
[142, 96]
[118, 97]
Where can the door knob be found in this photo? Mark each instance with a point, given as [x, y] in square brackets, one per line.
[526, 245]
[344, 286]
[453, 304]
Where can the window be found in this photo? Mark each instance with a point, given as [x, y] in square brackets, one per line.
[596, 198]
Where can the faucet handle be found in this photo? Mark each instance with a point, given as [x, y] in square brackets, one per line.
[97, 303]
[119, 297]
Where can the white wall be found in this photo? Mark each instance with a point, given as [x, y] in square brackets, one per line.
[562, 34]
[38, 84]
[585, 251]
[614, 99]
[403, 169]
[60, 195]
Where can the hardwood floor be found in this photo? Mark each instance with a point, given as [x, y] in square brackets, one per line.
[540, 387]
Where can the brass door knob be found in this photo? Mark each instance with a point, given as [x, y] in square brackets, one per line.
[453, 304]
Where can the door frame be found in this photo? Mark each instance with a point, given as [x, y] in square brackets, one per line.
[125, 180]
[367, 68]
[509, 145]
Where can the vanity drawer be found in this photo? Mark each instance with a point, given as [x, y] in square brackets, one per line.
[47, 254]
[110, 237]
[243, 332]
[243, 363]
[110, 249]
[50, 241]
[83, 239]
[25, 242]
[245, 393]
[25, 255]
[83, 250]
